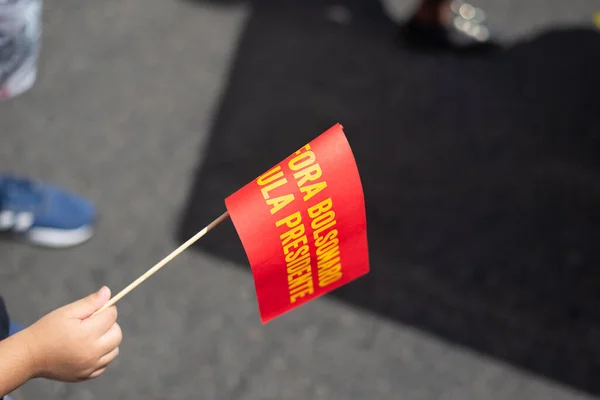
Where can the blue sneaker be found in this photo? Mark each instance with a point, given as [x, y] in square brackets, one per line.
[44, 214]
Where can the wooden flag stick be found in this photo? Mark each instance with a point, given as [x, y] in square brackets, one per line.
[163, 262]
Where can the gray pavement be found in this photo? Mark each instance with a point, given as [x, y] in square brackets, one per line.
[125, 97]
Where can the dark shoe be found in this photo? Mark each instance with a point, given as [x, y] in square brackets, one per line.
[465, 32]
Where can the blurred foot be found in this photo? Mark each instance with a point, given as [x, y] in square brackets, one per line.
[44, 214]
[447, 25]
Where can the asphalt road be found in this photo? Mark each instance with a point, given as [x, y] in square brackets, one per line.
[126, 95]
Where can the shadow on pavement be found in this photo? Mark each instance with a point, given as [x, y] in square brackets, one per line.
[481, 177]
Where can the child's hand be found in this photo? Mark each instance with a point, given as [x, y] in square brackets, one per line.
[69, 344]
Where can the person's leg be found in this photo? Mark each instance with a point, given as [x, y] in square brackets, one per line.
[40, 213]
[44, 214]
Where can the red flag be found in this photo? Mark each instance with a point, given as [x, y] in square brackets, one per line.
[303, 225]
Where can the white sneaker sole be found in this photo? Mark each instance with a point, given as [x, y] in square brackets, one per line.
[57, 238]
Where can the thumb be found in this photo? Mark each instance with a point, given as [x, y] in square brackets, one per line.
[85, 307]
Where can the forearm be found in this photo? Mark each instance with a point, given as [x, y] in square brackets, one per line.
[16, 364]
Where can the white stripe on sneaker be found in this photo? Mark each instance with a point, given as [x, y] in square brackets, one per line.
[6, 219]
[23, 221]
[19, 222]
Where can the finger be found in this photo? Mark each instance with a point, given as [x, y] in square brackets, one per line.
[85, 307]
[102, 322]
[111, 339]
[108, 358]
[97, 373]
